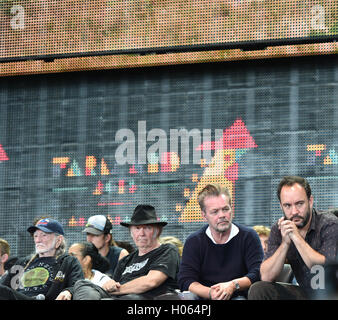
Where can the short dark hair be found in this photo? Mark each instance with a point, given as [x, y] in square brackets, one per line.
[99, 262]
[290, 181]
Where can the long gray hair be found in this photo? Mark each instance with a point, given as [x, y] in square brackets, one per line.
[60, 250]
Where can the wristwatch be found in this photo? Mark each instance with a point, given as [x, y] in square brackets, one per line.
[237, 287]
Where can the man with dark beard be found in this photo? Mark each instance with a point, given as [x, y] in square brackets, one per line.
[302, 237]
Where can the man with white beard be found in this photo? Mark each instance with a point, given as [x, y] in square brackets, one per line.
[48, 274]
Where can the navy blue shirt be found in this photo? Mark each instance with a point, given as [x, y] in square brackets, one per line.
[208, 263]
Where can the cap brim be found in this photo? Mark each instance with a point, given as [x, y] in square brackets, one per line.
[32, 229]
[160, 223]
[92, 230]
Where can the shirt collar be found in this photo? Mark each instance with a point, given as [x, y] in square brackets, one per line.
[313, 220]
[233, 232]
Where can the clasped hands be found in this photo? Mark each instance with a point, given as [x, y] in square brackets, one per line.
[288, 230]
[111, 286]
[222, 291]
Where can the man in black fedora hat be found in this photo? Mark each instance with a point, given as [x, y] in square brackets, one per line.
[147, 273]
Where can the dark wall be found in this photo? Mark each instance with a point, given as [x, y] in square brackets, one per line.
[279, 117]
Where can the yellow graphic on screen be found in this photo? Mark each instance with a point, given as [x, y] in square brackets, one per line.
[223, 168]
[318, 151]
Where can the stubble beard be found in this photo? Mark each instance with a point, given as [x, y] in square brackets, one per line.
[223, 228]
[304, 221]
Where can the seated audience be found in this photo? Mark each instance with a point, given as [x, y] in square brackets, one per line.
[4, 255]
[173, 240]
[222, 259]
[10, 263]
[48, 274]
[125, 245]
[148, 272]
[93, 264]
[303, 237]
[333, 211]
[263, 233]
[99, 232]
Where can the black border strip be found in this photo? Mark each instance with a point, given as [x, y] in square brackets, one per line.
[245, 46]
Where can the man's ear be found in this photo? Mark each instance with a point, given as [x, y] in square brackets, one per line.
[203, 215]
[311, 201]
[4, 258]
[107, 238]
[58, 241]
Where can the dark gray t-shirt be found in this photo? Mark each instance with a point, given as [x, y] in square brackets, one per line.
[165, 258]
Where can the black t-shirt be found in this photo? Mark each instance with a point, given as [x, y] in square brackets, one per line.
[38, 277]
[165, 258]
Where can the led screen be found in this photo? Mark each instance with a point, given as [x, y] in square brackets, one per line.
[77, 144]
[32, 28]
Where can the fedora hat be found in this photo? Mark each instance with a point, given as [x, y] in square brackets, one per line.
[143, 214]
